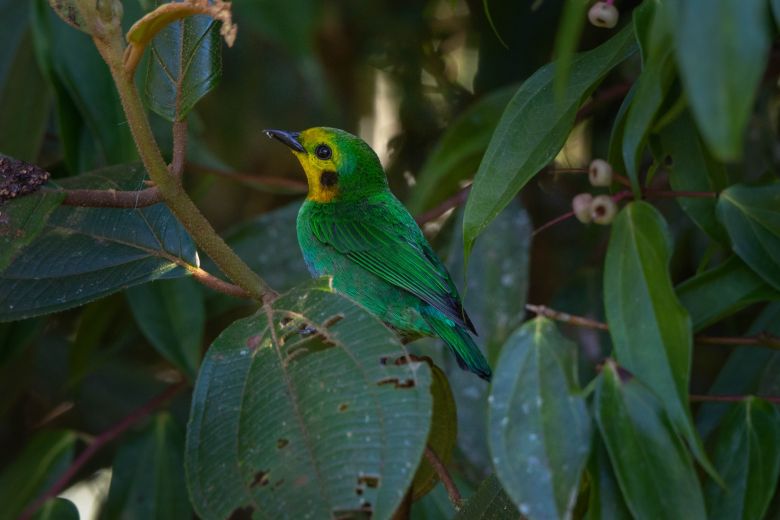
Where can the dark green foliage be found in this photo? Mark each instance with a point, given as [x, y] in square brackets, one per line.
[310, 406]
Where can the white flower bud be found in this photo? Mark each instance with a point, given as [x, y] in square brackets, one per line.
[600, 172]
[580, 204]
[603, 209]
[602, 14]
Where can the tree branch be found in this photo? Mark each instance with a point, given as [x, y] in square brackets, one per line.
[763, 339]
[99, 442]
[445, 477]
[110, 198]
[179, 148]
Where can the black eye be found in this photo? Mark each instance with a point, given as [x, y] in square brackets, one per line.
[323, 151]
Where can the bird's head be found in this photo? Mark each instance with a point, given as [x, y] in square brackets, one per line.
[338, 165]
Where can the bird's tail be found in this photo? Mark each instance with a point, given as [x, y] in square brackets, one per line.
[461, 344]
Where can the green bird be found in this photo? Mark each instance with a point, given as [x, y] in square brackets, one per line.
[352, 228]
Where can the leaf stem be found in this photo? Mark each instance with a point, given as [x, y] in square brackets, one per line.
[110, 198]
[99, 442]
[452, 202]
[171, 189]
[445, 477]
[179, 148]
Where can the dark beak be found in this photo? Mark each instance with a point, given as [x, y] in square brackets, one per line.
[288, 138]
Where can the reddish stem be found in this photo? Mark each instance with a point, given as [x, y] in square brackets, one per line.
[452, 202]
[444, 476]
[98, 442]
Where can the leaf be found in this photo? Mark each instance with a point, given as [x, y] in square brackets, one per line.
[721, 73]
[566, 39]
[648, 93]
[650, 329]
[538, 423]
[748, 370]
[345, 429]
[721, 291]
[652, 465]
[24, 95]
[751, 215]
[21, 220]
[443, 434]
[85, 253]
[147, 481]
[457, 154]
[495, 291]
[533, 129]
[186, 65]
[172, 315]
[746, 454]
[490, 501]
[605, 500]
[615, 150]
[57, 509]
[44, 458]
[91, 123]
[694, 169]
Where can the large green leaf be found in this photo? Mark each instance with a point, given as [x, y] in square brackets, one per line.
[650, 329]
[694, 169]
[538, 423]
[21, 220]
[85, 253]
[649, 90]
[567, 37]
[147, 481]
[489, 502]
[494, 293]
[751, 215]
[457, 154]
[92, 126]
[533, 129]
[45, 457]
[651, 462]
[721, 291]
[57, 509]
[746, 453]
[172, 315]
[186, 64]
[605, 501]
[722, 49]
[290, 422]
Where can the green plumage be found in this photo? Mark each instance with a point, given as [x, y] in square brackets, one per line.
[354, 229]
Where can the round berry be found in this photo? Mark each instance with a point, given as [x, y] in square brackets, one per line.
[580, 204]
[600, 172]
[602, 209]
[602, 14]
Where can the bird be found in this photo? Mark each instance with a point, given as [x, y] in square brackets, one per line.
[352, 228]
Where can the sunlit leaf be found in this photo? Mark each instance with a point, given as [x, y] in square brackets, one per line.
[147, 479]
[721, 73]
[172, 315]
[650, 329]
[44, 458]
[651, 462]
[343, 433]
[532, 131]
[746, 454]
[85, 253]
[751, 215]
[538, 424]
[186, 64]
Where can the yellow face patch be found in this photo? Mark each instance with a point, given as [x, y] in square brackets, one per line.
[315, 167]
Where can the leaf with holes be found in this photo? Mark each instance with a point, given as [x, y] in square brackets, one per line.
[186, 64]
[538, 423]
[533, 129]
[85, 253]
[751, 215]
[346, 427]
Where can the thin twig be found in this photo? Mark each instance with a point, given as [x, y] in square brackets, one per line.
[762, 339]
[110, 198]
[452, 202]
[211, 281]
[445, 477]
[179, 148]
[99, 442]
[730, 398]
[552, 222]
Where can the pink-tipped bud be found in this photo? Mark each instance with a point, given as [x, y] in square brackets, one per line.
[602, 209]
[600, 173]
[580, 204]
[602, 14]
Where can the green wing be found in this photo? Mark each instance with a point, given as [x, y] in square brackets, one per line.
[382, 238]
